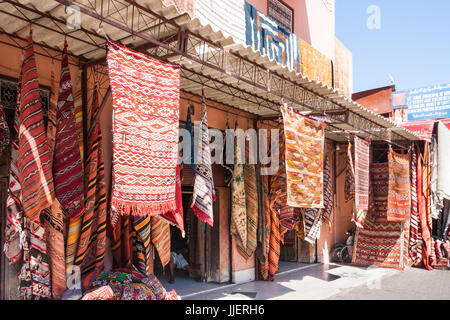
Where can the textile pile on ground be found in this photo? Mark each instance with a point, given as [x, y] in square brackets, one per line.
[122, 284]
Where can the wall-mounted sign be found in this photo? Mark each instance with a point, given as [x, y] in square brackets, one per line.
[428, 103]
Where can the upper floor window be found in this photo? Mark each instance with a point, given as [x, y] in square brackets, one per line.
[281, 13]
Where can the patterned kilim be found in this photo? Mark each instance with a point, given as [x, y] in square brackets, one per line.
[415, 239]
[5, 137]
[300, 225]
[238, 226]
[399, 197]
[381, 243]
[34, 276]
[121, 246]
[78, 105]
[204, 193]
[143, 253]
[251, 202]
[380, 181]
[264, 267]
[304, 159]
[362, 154]
[54, 217]
[34, 163]
[349, 188]
[313, 223]
[176, 217]
[277, 192]
[361, 217]
[92, 240]
[67, 169]
[328, 199]
[160, 234]
[146, 94]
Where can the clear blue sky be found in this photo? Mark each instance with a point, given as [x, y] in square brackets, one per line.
[413, 43]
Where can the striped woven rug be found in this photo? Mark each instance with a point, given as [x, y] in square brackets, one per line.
[34, 163]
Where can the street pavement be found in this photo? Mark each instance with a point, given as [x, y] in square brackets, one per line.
[339, 282]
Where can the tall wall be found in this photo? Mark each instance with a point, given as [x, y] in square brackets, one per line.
[378, 100]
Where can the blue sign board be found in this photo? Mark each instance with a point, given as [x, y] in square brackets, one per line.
[429, 103]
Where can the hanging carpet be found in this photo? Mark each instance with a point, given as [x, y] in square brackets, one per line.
[328, 197]
[349, 187]
[175, 217]
[415, 239]
[92, 240]
[304, 159]
[146, 95]
[399, 201]
[362, 162]
[204, 193]
[34, 163]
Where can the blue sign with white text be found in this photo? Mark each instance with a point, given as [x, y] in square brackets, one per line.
[429, 103]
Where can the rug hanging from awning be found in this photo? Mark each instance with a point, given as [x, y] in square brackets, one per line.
[160, 234]
[146, 101]
[67, 168]
[238, 226]
[380, 184]
[5, 137]
[227, 167]
[304, 159]
[34, 163]
[349, 187]
[78, 105]
[54, 217]
[328, 197]
[204, 193]
[415, 238]
[143, 255]
[399, 196]
[362, 163]
[312, 219]
[92, 240]
[251, 203]
[264, 266]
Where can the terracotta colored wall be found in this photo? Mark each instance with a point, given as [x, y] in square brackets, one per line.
[11, 62]
[341, 223]
[377, 100]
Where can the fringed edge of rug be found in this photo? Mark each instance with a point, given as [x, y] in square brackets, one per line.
[153, 209]
[202, 216]
[177, 224]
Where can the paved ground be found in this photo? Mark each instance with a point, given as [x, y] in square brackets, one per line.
[343, 282]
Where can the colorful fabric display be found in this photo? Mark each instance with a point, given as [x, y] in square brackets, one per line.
[146, 94]
[228, 168]
[34, 163]
[78, 106]
[238, 226]
[143, 253]
[313, 223]
[92, 240]
[137, 291]
[362, 162]
[204, 193]
[102, 293]
[349, 188]
[328, 197]
[160, 234]
[415, 238]
[399, 201]
[113, 279]
[304, 159]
